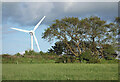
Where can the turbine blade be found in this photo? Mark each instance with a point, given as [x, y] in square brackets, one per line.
[20, 30]
[39, 23]
[36, 42]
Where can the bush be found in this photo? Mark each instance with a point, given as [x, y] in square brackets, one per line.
[65, 59]
[94, 60]
[59, 60]
[18, 54]
[89, 58]
[6, 55]
[104, 61]
[108, 52]
[72, 59]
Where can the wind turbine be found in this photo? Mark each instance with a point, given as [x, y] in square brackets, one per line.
[32, 33]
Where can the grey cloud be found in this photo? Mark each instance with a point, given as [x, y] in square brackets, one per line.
[101, 9]
[29, 13]
[24, 13]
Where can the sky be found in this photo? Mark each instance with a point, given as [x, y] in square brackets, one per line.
[25, 15]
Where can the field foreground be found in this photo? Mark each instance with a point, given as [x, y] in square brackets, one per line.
[60, 71]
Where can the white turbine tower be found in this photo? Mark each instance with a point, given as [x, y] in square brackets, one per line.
[32, 34]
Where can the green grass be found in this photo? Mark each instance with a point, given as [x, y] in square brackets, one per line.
[60, 71]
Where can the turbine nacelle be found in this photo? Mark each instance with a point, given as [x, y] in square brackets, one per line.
[32, 33]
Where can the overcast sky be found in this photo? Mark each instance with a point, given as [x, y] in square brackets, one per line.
[25, 15]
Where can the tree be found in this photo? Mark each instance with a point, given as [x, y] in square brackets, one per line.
[65, 30]
[74, 33]
[98, 32]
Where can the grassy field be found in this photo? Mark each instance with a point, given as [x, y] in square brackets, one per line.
[60, 71]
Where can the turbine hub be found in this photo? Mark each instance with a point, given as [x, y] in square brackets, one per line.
[31, 33]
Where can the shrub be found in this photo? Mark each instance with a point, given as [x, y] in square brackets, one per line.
[65, 59]
[18, 54]
[103, 61]
[89, 57]
[109, 52]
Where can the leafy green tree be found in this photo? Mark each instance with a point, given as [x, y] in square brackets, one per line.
[65, 30]
[74, 33]
[98, 32]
